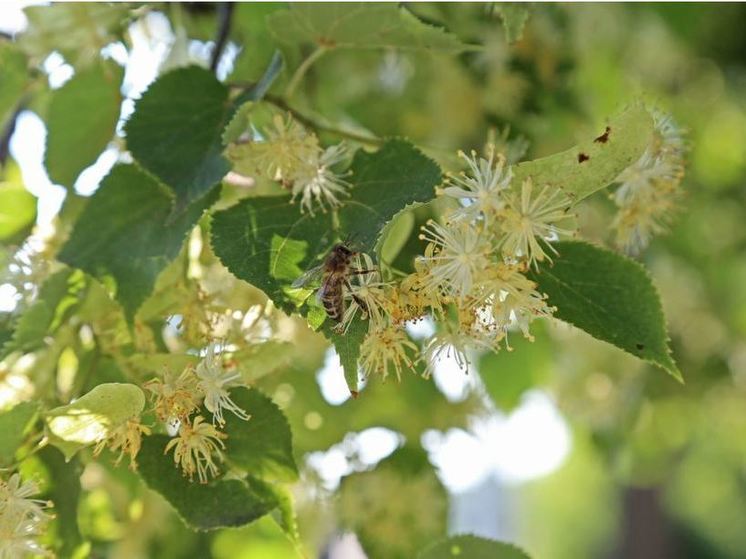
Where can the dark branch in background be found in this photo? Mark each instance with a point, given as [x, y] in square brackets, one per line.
[4, 35]
[225, 15]
[10, 127]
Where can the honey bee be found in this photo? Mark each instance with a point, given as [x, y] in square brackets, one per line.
[335, 274]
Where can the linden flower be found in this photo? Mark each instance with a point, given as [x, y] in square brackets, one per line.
[458, 254]
[647, 193]
[646, 199]
[287, 147]
[669, 139]
[508, 298]
[15, 500]
[213, 383]
[384, 351]
[480, 190]
[316, 184]
[195, 449]
[472, 330]
[126, 439]
[530, 221]
[418, 291]
[639, 220]
[520, 310]
[22, 519]
[365, 293]
[175, 397]
[451, 344]
[408, 301]
[22, 540]
[506, 277]
[646, 177]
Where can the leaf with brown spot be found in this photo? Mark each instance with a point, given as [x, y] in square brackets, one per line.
[633, 130]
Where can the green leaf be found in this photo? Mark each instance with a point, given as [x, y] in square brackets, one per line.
[93, 416]
[82, 117]
[238, 124]
[175, 132]
[77, 30]
[395, 234]
[64, 491]
[268, 243]
[471, 547]
[385, 183]
[347, 346]
[262, 445]
[17, 205]
[208, 506]
[592, 164]
[58, 296]
[124, 233]
[609, 296]
[15, 425]
[507, 375]
[359, 25]
[14, 77]
[514, 18]
[285, 514]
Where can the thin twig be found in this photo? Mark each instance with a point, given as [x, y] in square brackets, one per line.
[280, 103]
[302, 69]
[309, 122]
[225, 17]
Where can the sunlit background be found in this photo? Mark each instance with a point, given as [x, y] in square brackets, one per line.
[576, 450]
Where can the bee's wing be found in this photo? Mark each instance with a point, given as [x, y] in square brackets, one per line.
[310, 276]
[327, 287]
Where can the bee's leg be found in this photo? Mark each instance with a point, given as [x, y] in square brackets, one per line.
[357, 272]
[363, 306]
[360, 303]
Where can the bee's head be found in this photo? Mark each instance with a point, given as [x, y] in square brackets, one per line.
[348, 245]
[343, 249]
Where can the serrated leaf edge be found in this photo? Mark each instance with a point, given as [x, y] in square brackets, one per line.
[672, 370]
[469, 535]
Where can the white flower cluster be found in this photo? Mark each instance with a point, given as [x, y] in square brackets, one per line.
[472, 277]
[198, 444]
[477, 259]
[647, 194]
[286, 152]
[22, 519]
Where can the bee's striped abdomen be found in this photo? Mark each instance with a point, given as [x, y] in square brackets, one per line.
[333, 309]
[332, 298]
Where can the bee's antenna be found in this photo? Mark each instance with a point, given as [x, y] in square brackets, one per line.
[352, 240]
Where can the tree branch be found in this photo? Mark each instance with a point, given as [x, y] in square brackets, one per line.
[225, 16]
[280, 103]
